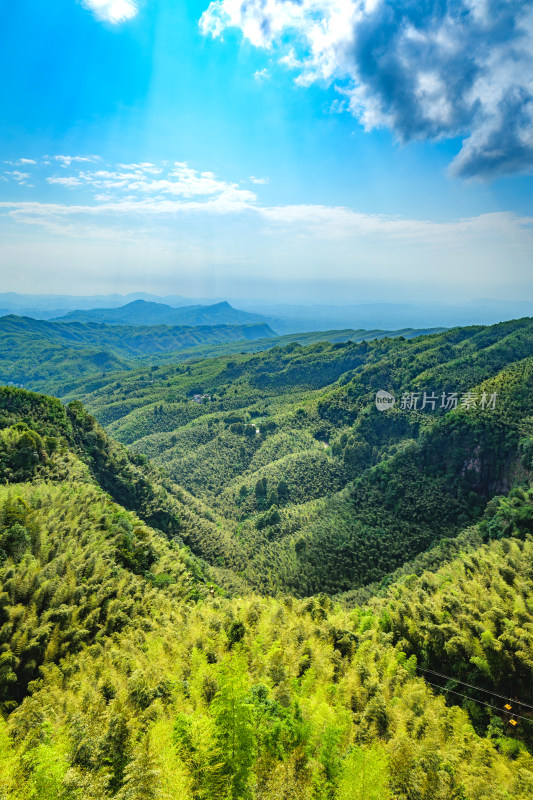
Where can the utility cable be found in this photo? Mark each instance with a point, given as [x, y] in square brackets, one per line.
[478, 688]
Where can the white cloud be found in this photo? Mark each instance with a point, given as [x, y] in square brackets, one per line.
[146, 166]
[134, 189]
[262, 74]
[70, 181]
[20, 177]
[220, 221]
[173, 189]
[200, 218]
[425, 70]
[113, 11]
[338, 222]
[313, 222]
[66, 161]
[178, 180]
[166, 191]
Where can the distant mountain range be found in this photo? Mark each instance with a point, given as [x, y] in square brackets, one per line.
[51, 306]
[143, 312]
[145, 309]
[50, 356]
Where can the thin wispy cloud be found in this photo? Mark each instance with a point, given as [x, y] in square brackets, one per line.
[67, 181]
[19, 177]
[150, 180]
[175, 215]
[113, 11]
[20, 162]
[145, 166]
[129, 189]
[338, 222]
[313, 222]
[66, 161]
[165, 192]
[424, 70]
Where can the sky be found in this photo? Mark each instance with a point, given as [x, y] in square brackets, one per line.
[338, 151]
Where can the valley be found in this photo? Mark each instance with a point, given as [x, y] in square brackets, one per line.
[233, 576]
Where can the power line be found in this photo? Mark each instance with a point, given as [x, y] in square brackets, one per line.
[471, 686]
[494, 708]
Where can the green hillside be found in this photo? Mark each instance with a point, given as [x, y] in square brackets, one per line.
[55, 357]
[128, 340]
[320, 489]
[52, 356]
[304, 339]
[273, 590]
[124, 675]
[35, 426]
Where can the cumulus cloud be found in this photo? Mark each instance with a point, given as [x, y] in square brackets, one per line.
[113, 11]
[426, 70]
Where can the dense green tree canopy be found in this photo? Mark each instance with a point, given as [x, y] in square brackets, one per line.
[280, 592]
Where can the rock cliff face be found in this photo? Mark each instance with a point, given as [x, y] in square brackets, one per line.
[493, 479]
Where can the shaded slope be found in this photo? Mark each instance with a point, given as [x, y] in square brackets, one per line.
[130, 480]
[53, 355]
[427, 490]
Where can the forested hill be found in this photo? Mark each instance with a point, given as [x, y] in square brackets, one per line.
[128, 340]
[33, 428]
[44, 355]
[126, 673]
[319, 489]
[53, 357]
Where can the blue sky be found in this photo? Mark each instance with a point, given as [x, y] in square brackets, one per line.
[226, 149]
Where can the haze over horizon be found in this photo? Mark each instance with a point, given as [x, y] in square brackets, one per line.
[144, 309]
[117, 300]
